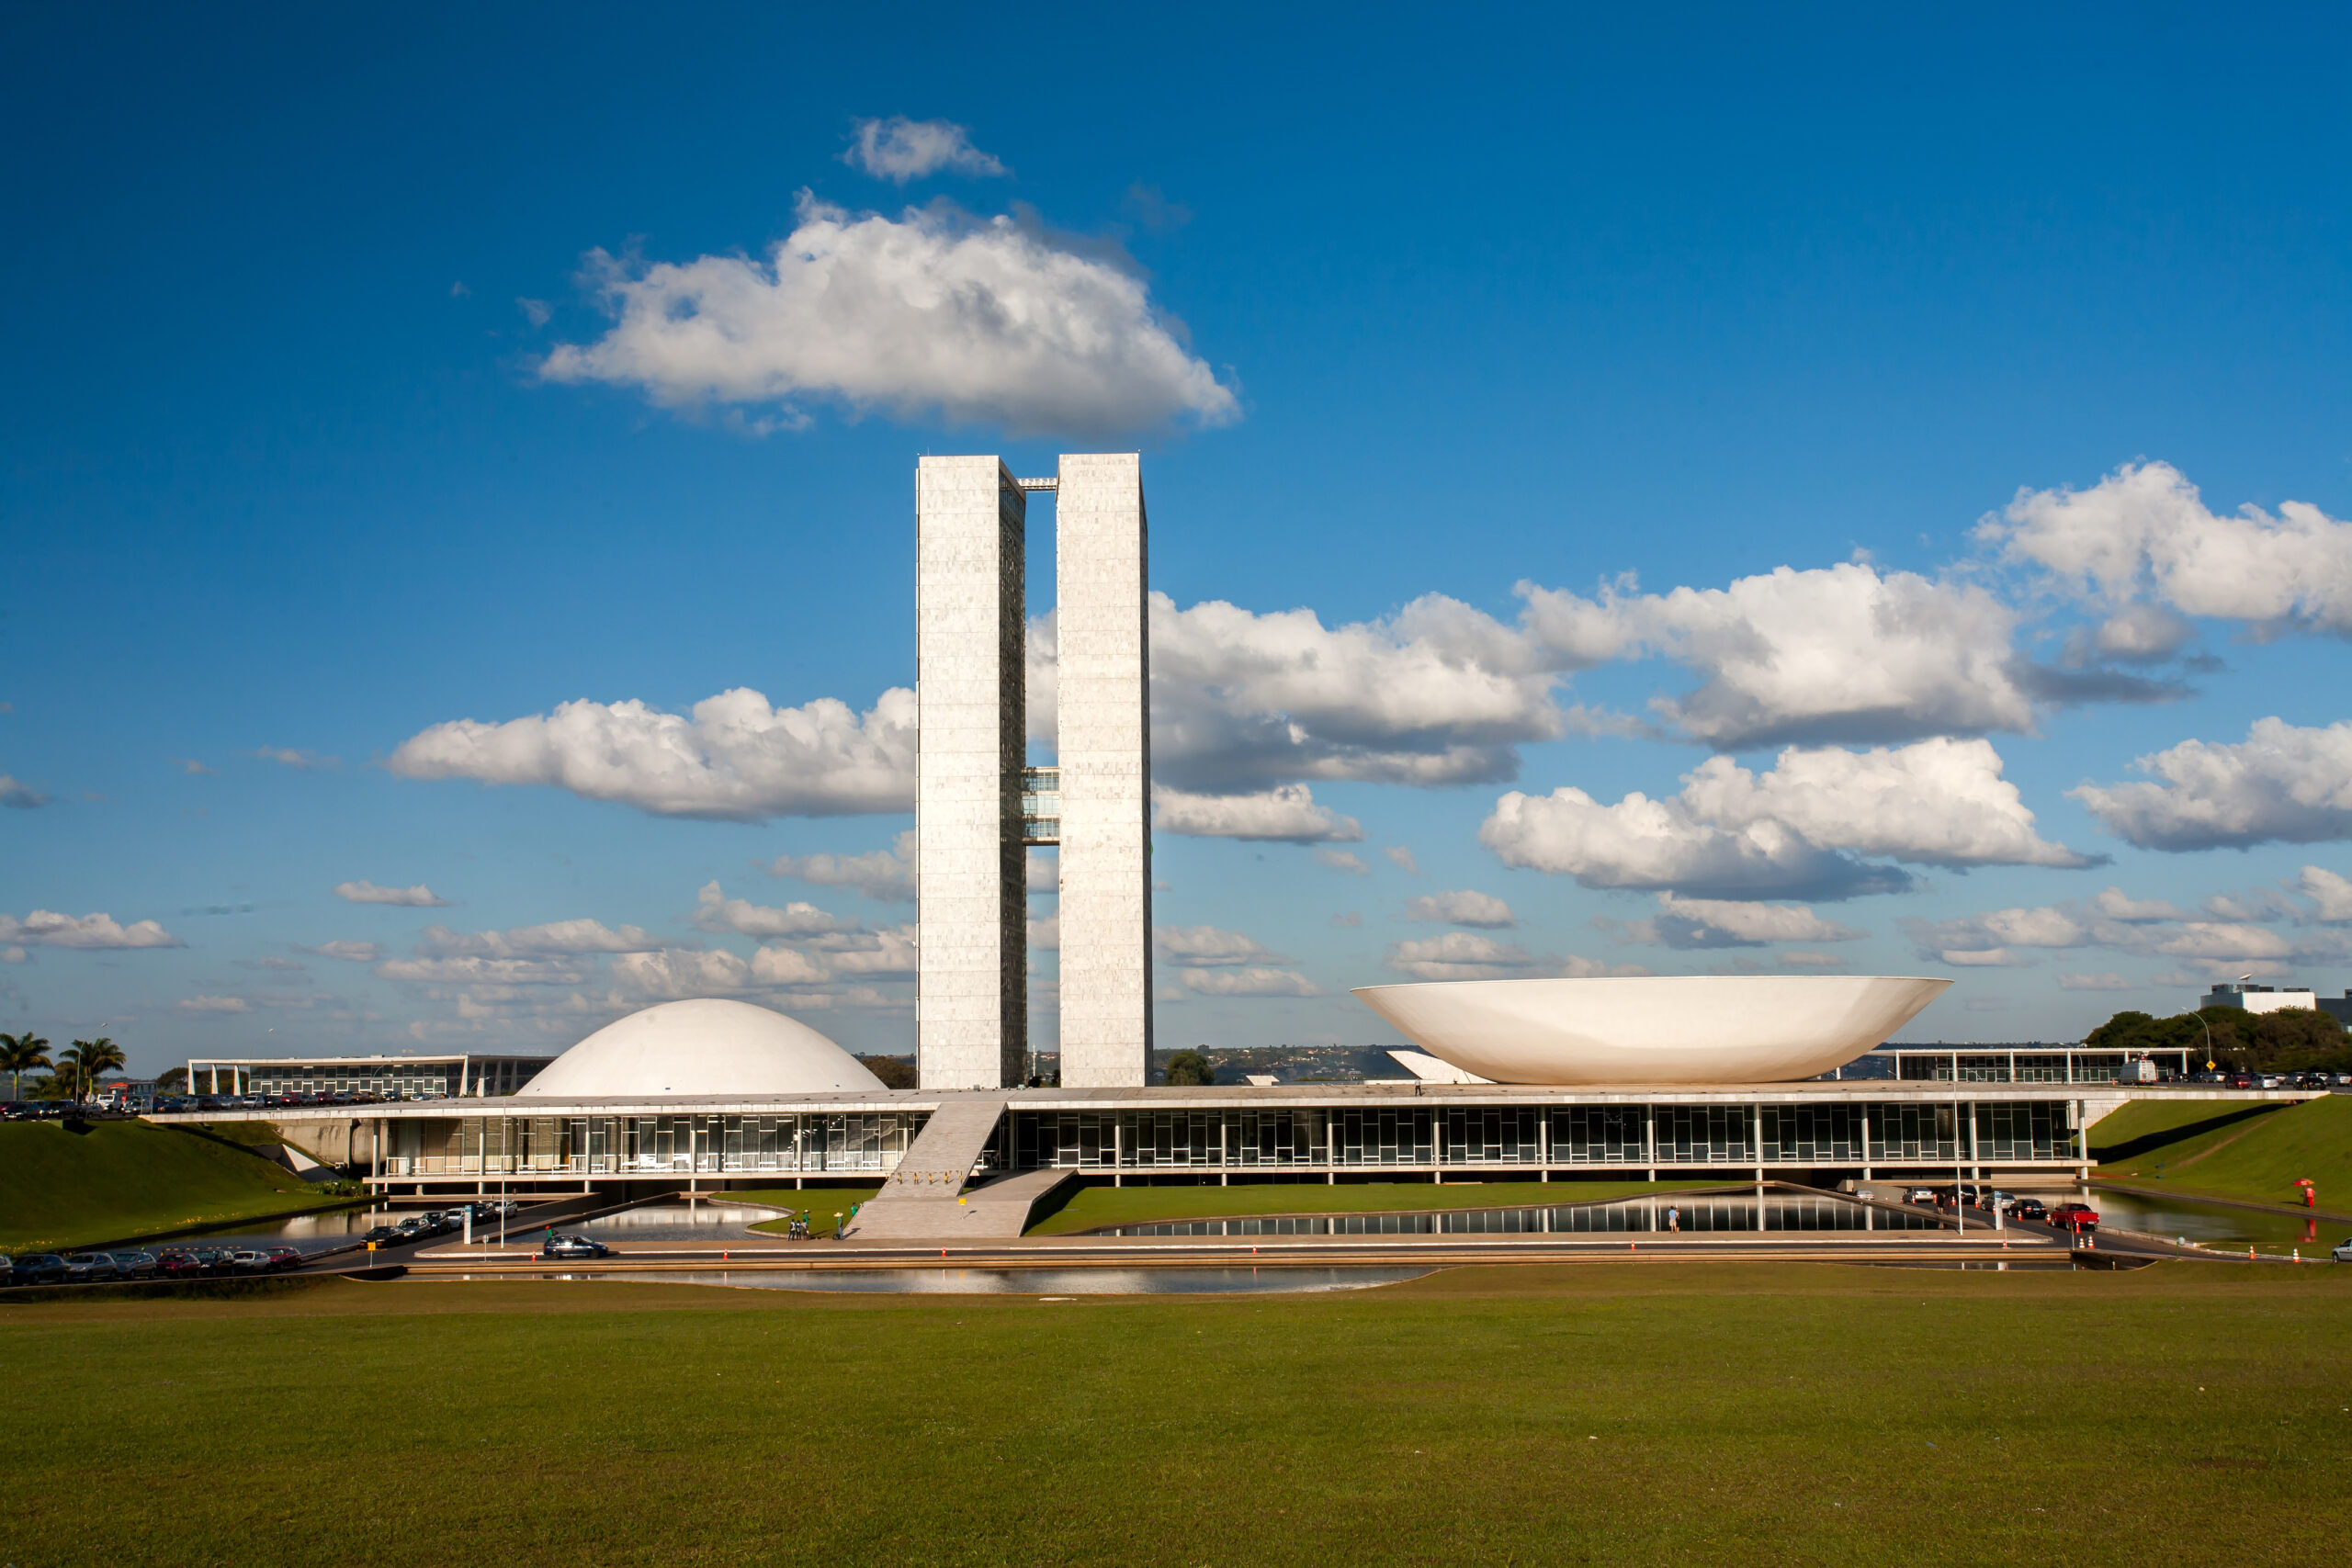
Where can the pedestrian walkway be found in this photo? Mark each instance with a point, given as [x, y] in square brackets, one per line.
[921, 1198]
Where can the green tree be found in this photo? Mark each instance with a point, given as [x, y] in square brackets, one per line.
[22, 1054]
[1190, 1068]
[896, 1072]
[88, 1060]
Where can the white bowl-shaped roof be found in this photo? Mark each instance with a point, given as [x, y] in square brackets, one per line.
[1693, 1029]
[706, 1047]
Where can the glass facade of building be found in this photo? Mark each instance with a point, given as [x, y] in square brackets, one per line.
[1699, 1137]
[648, 1146]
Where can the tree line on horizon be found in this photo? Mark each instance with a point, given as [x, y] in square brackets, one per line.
[2294, 1040]
[72, 1074]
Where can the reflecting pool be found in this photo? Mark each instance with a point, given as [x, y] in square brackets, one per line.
[1683, 1214]
[1020, 1281]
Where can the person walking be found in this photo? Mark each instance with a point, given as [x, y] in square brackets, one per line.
[1674, 1219]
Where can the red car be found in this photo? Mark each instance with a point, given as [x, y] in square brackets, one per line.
[282, 1258]
[179, 1265]
[2073, 1217]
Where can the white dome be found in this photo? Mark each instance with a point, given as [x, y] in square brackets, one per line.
[706, 1047]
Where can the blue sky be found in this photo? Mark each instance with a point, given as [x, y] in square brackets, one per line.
[1907, 455]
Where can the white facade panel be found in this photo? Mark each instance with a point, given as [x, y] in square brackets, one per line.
[1103, 747]
[972, 996]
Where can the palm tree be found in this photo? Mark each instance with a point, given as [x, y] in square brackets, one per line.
[19, 1054]
[88, 1058]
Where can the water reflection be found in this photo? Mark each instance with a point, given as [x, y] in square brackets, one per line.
[1022, 1281]
[2211, 1224]
[681, 1222]
[1687, 1215]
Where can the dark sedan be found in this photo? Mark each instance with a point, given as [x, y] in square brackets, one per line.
[38, 1268]
[573, 1246]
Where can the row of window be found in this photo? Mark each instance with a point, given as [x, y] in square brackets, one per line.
[1562, 1135]
[647, 1146]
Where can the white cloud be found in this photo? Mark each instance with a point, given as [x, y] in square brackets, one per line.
[1402, 858]
[934, 313]
[1343, 860]
[349, 951]
[2105, 980]
[212, 1004]
[45, 927]
[734, 758]
[290, 757]
[899, 148]
[1249, 983]
[557, 937]
[714, 911]
[1991, 938]
[1461, 955]
[1794, 831]
[477, 970]
[1046, 934]
[417, 897]
[1461, 906]
[1208, 947]
[1691, 923]
[2282, 783]
[1286, 814]
[15, 955]
[2114, 903]
[2329, 890]
[20, 796]
[2144, 530]
[1348, 919]
[1043, 873]
[885, 875]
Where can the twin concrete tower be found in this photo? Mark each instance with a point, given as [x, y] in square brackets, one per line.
[978, 806]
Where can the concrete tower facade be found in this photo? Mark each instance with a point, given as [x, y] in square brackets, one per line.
[1104, 745]
[972, 996]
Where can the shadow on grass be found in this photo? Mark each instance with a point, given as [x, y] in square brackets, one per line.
[170, 1290]
[2146, 1143]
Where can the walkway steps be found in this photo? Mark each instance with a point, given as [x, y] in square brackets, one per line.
[920, 1199]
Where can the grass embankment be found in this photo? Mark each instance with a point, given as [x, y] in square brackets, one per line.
[2225, 1150]
[1090, 1208]
[822, 1203]
[1631, 1414]
[116, 1180]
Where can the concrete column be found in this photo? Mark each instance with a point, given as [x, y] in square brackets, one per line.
[972, 995]
[1103, 743]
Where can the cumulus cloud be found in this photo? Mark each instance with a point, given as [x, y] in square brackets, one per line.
[1286, 814]
[1253, 982]
[1046, 934]
[417, 897]
[1043, 873]
[1344, 860]
[2146, 532]
[15, 955]
[1202, 947]
[1692, 923]
[1813, 960]
[20, 796]
[2330, 891]
[555, 938]
[1402, 858]
[899, 148]
[1799, 829]
[885, 875]
[1461, 906]
[292, 757]
[2282, 784]
[1465, 955]
[1978, 941]
[2114, 903]
[46, 928]
[2105, 980]
[714, 911]
[349, 951]
[934, 313]
[478, 970]
[212, 1004]
[734, 757]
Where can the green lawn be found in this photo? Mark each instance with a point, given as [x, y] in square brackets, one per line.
[117, 1180]
[2258, 1157]
[1091, 1207]
[822, 1204]
[1620, 1414]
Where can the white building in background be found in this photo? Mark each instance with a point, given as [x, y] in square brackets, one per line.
[2259, 998]
[978, 806]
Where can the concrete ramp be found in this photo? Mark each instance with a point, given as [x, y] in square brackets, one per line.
[920, 1199]
[996, 1211]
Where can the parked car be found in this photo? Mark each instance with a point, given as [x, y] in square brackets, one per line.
[283, 1258]
[1925, 1195]
[38, 1268]
[573, 1246]
[178, 1263]
[382, 1236]
[88, 1267]
[2074, 1218]
[249, 1260]
[2024, 1210]
[213, 1260]
[2343, 1253]
[135, 1265]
